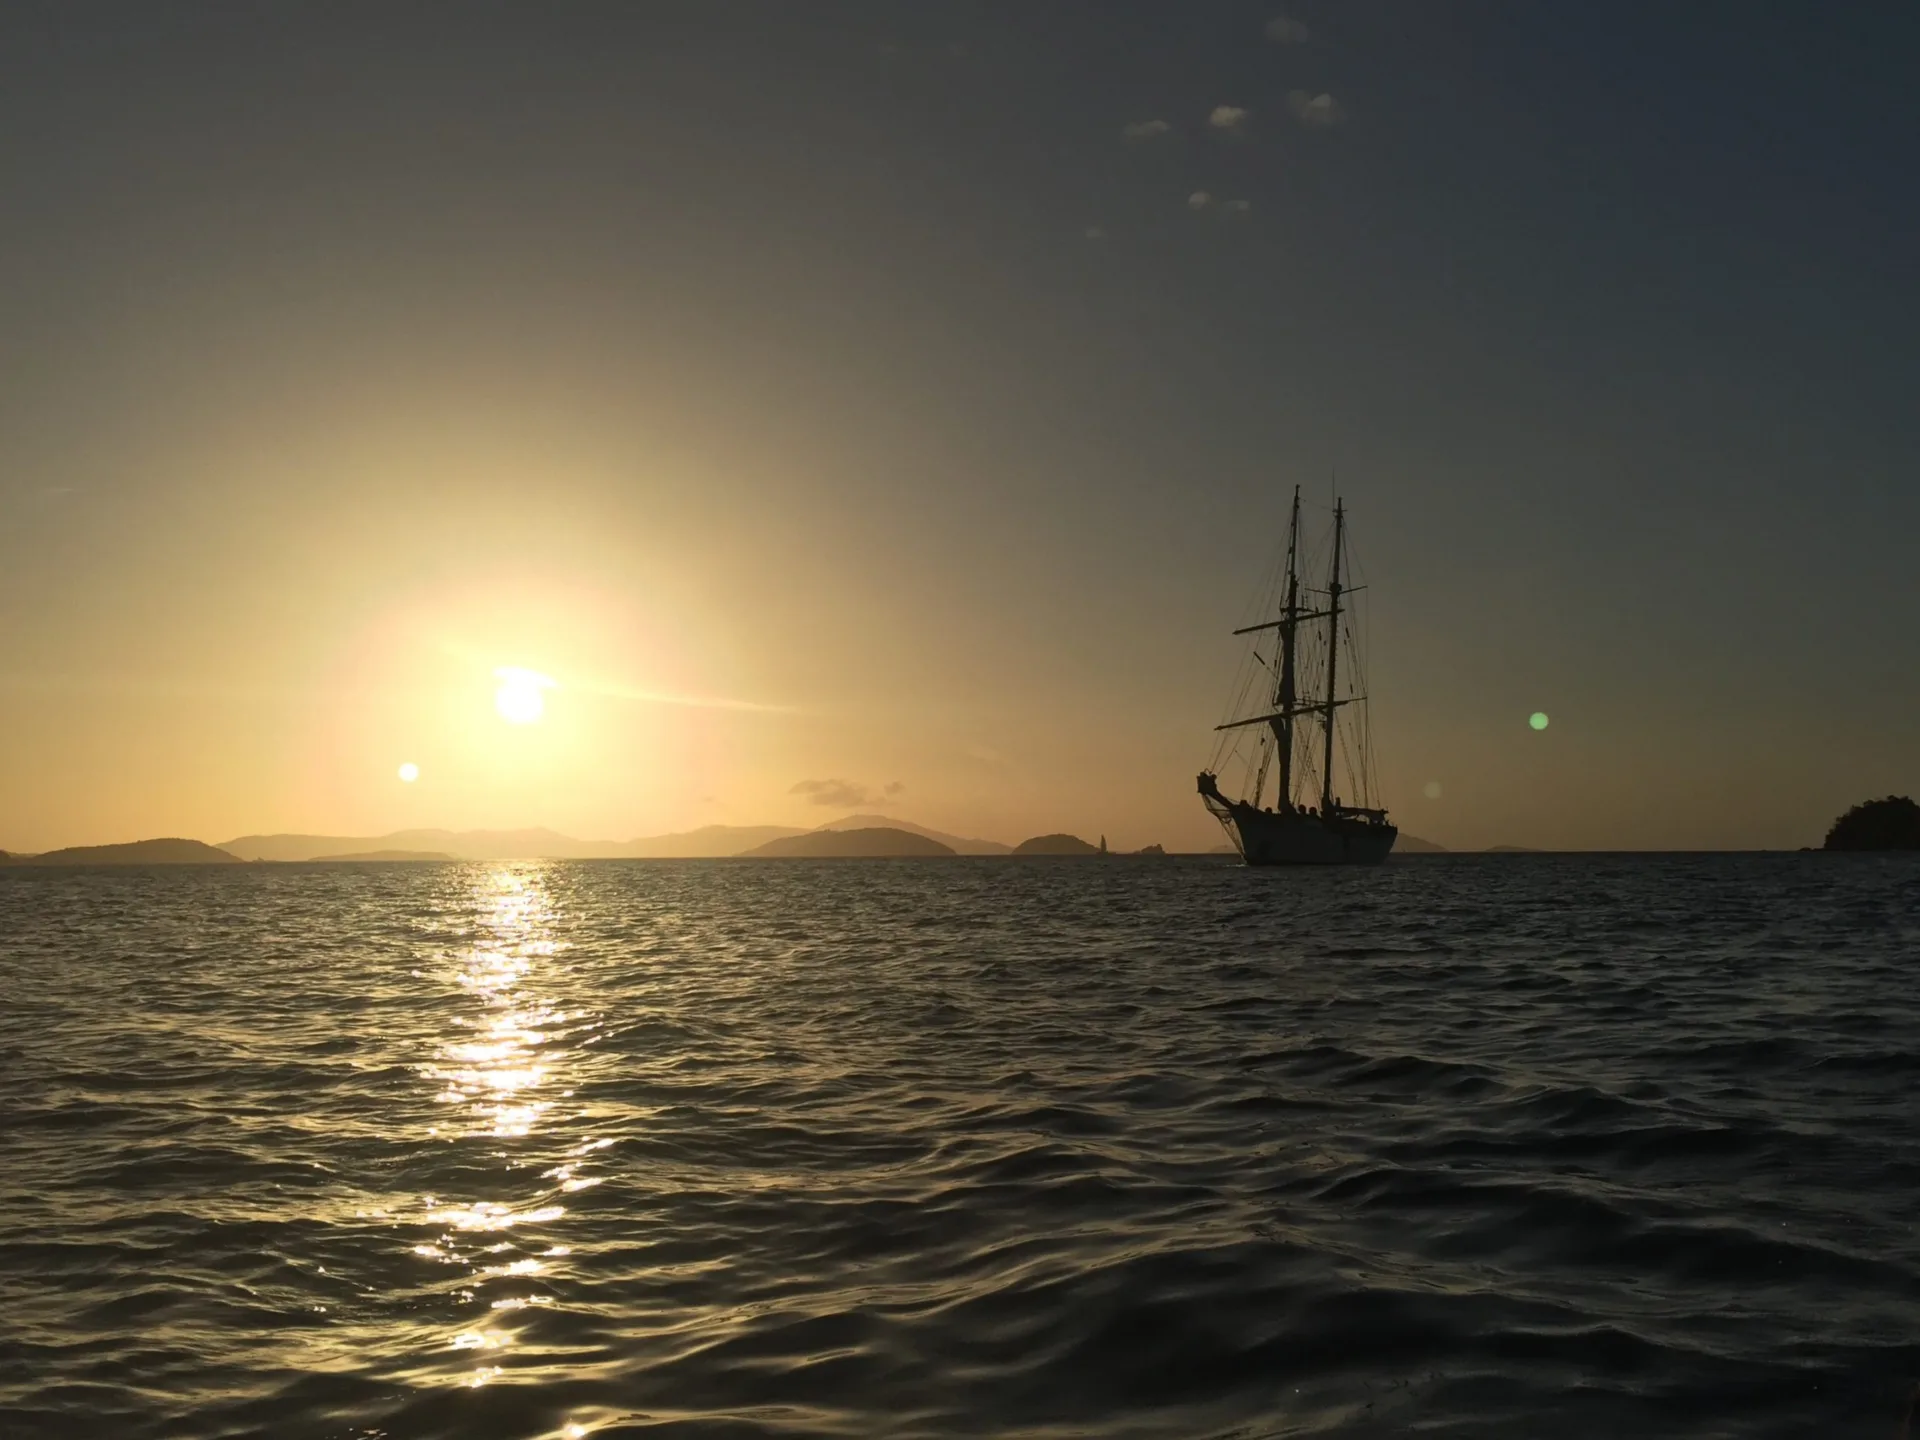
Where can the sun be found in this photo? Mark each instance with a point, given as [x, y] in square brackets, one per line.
[519, 699]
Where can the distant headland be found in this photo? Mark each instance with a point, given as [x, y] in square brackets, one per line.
[1058, 845]
[876, 842]
[137, 852]
[1889, 824]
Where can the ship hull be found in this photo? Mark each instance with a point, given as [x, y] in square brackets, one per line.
[1268, 837]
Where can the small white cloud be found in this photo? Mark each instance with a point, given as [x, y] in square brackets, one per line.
[1231, 118]
[1199, 200]
[1239, 207]
[1317, 111]
[1145, 129]
[1283, 30]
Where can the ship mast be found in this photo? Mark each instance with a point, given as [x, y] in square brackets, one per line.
[1284, 697]
[1333, 654]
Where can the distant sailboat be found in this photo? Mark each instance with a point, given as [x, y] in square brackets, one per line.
[1311, 727]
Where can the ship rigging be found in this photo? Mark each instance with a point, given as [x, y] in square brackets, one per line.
[1310, 727]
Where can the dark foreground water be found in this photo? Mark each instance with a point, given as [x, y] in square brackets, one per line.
[1489, 1147]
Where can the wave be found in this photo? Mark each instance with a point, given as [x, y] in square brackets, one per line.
[1610, 1146]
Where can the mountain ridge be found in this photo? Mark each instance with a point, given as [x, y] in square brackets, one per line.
[534, 843]
[530, 844]
[385, 857]
[709, 842]
[168, 851]
[870, 842]
[959, 844]
[540, 843]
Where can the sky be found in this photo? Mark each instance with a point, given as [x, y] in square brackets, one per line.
[867, 406]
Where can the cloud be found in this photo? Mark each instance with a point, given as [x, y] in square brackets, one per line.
[1231, 118]
[1317, 111]
[1285, 31]
[841, 794]
[1239, 207]
[895, 787]
[1145, 129]
[1199, 200]
[1094, 232]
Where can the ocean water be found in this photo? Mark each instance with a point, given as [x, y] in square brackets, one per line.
[1462, 1146]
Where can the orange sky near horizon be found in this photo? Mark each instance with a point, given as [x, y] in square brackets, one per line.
[272, 665]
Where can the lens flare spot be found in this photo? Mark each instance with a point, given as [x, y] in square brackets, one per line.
[409, 772]
[1431, 790]
[1538, 720]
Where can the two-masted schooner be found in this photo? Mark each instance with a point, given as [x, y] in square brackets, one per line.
[1308, 688]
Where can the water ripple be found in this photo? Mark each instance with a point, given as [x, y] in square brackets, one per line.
[1462, 1147]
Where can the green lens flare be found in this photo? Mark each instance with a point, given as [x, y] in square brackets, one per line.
[1538, 720]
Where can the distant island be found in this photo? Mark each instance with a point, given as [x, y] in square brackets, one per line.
[959, 844]
[137, 852]
[707, 842]
[851, 835]
[1889, 824]
[383, 857]
[1056, 845]
[875, 843]
[533, 844]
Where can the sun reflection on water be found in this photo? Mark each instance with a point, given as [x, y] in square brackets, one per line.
[499, 1076]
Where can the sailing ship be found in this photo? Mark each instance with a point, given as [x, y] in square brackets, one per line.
[1311, 727]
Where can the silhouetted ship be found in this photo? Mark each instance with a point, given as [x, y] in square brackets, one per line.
[1311, 725]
